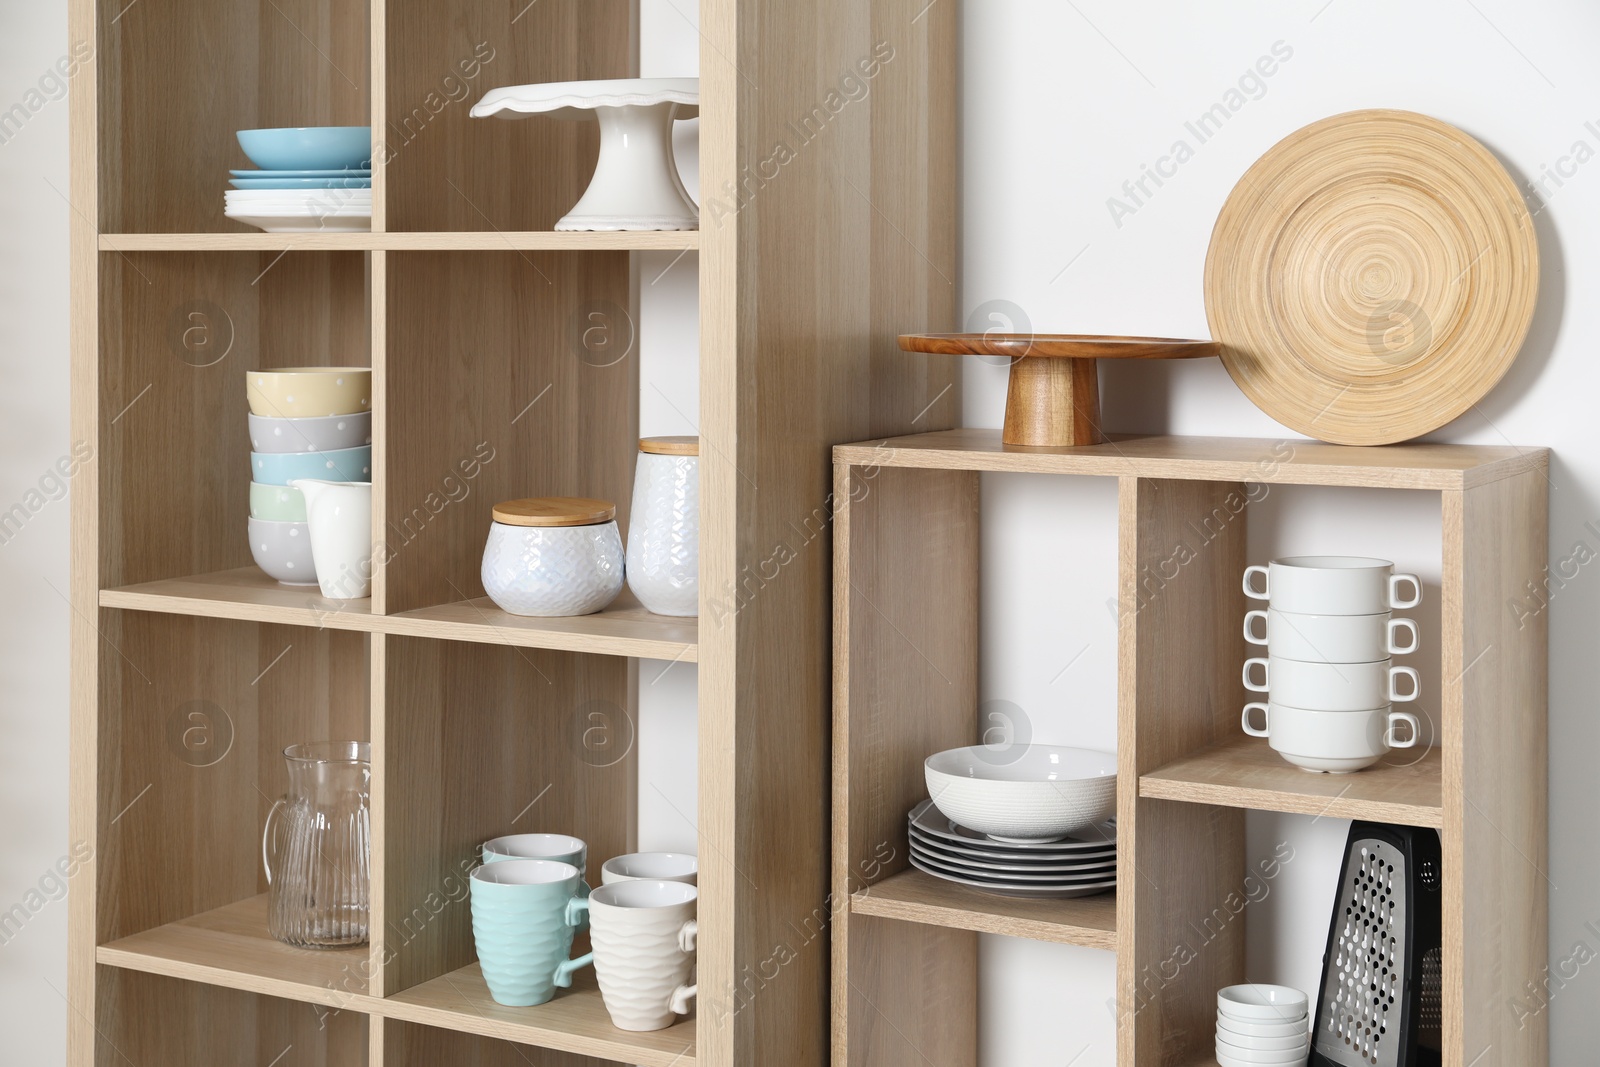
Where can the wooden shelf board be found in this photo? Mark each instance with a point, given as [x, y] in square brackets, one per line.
[244, 593]
[623, 629]
[575, 1021]
[1245, 773]
[230, 947]
[913, 896]
[488, 240]
[1245, 459]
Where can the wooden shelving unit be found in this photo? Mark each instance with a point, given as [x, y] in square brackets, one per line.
[905, 686]
[191, 671]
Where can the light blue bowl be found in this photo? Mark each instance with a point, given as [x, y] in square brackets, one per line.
[308, 147]
[342, 465]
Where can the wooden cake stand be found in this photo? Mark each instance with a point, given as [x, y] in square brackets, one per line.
[1053, 397]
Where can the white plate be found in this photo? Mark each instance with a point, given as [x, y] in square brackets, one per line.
[928, 818]
[354, 172]
[1032, 862]
[562, 98]
[306, 223]
[1100, 872]
[1016, 889]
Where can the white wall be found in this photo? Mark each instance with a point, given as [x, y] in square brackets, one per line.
[33, 563]
[1062, 103]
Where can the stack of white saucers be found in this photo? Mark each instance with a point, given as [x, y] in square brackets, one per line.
[1077, 865]
[338, 204]
[1262, 1026]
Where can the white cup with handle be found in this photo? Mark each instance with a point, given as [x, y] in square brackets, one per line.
[643, 932]
[1333, 585]
[1330, 686]
[651, 866]
[1333, 742]
[1330, 638]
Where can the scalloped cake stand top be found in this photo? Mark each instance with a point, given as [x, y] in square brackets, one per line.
[635, 184]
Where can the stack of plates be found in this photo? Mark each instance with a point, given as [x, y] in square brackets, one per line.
[301, 201]
[312, 178]
[1079, 865]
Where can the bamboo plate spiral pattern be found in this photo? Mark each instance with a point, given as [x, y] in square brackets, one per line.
[1371, 277]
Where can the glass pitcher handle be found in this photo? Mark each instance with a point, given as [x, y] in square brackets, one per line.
[266, 838]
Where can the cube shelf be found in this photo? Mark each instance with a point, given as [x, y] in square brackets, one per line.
[505, 360]
[905, 685]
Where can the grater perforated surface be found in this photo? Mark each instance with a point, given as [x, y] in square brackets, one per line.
[1364, 988]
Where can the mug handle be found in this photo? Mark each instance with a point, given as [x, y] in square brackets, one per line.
[681, 998]
[1248, 591]
[688, 933]
[1394, 591]
[1258, 613]
[1244, 720]
[266, 838]
[1395, 718]
[566, 968]
[1394, 691]
[1265, 675]
[1410, 627]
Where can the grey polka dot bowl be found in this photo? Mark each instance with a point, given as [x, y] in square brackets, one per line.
[283, 550]
[327, 434]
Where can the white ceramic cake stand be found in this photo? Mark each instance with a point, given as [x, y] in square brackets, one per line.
[635, 184]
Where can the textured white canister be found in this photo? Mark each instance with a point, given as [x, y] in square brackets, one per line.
[664, 526]
[551, 556]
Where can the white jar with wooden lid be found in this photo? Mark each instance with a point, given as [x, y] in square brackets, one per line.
[553, 556]
[664, 526]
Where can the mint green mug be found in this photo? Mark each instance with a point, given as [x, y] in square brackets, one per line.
[524, 913]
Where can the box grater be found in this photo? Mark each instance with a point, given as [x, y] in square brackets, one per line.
[1380, 1000]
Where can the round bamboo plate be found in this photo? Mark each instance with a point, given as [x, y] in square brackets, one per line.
[1371, 277]
[1053, 394]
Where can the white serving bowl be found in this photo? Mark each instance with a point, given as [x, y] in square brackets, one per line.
[1259, 1003]
[1245, 1032]
[1023, 792]
[1229, 1055]
[1297, 1042]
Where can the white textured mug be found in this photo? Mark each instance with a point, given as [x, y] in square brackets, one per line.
[1330, 686]
[1336, 742]
[643, 934]
[651, 867]
[1329, 638]
[1332, 585]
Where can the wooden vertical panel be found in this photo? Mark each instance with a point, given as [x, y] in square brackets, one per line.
[1495, 740]
[448, 171]
[378, 324]
[905, 685]
[179, 79]
[813, 256]
[378, 110]
[84, 591]
[1179, 649]
[484, 740]
[499, 384]
[382, 783]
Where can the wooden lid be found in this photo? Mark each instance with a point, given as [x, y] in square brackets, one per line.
[1372, 277]
[555, 511]
[1057, 345]
[670, 446]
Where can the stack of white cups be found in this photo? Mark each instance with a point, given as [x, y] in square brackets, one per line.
[1330, 682]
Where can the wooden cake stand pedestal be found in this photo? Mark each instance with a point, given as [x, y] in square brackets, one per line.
[1053, 398]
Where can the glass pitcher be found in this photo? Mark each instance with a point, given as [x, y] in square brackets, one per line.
[317, 845]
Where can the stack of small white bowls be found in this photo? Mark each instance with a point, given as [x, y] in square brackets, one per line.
[1262, 1026]
[305, 422]
[1330, 681]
